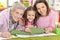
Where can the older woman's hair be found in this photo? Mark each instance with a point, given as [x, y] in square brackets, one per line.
[17, 5]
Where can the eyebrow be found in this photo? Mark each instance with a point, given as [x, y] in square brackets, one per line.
[38, 8]
[17, 12]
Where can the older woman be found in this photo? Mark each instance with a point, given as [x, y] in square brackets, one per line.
[9, 19]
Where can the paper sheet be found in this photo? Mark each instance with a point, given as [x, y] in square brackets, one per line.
[25, 36]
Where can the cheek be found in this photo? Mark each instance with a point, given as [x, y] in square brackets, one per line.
[45, 9]
[20, 16]
[15, 15]
[28, 17]
[33, 17]
[39, 12]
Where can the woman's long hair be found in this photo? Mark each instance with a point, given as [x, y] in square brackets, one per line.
[41, 1]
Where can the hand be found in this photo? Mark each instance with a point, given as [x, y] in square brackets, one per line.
[5, 34]
[47, 30]
[20, 21]
[18, 29]
[27, 30]
[29, 26]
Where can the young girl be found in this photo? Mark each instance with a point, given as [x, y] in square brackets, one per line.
[30, 18]
[46, 17]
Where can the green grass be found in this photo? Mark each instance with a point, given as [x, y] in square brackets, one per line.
[39, 38]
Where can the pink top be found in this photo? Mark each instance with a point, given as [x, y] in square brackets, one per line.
[48, 21]
[4, 20]
[30, 23]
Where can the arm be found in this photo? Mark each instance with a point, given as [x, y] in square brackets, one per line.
[3, 31]
[53, 20]
[51, 26]
[1, 21]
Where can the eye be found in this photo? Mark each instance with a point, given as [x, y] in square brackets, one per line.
[28, 15]
[38, 8]
[17, 12]
[33, 15]
[21, 14]
[42, 6]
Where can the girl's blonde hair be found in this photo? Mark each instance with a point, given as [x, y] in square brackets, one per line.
[17, 5]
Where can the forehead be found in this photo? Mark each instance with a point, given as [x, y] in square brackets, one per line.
[19, 10]
[31, 12]
[40, 5]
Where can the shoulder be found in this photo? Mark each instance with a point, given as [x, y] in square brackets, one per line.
[52, 15]
[5, 12]
[52, 12]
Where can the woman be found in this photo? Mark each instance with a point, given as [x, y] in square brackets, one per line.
[46, 17]
[9, 19]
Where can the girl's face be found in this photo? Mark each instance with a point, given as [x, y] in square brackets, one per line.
[31, 15]
[17, 14]
[42, 9]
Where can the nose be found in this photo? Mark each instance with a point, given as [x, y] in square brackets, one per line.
[40, 10]
[31, 17]
[18, 16]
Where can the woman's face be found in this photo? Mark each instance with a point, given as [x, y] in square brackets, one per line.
[17, 14]
[42, 9]
[31, 15]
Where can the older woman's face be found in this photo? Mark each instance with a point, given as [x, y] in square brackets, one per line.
[42, 9]
[17, 14]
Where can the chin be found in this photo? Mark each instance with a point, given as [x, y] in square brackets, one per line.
[30, 20]
[16, 20]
